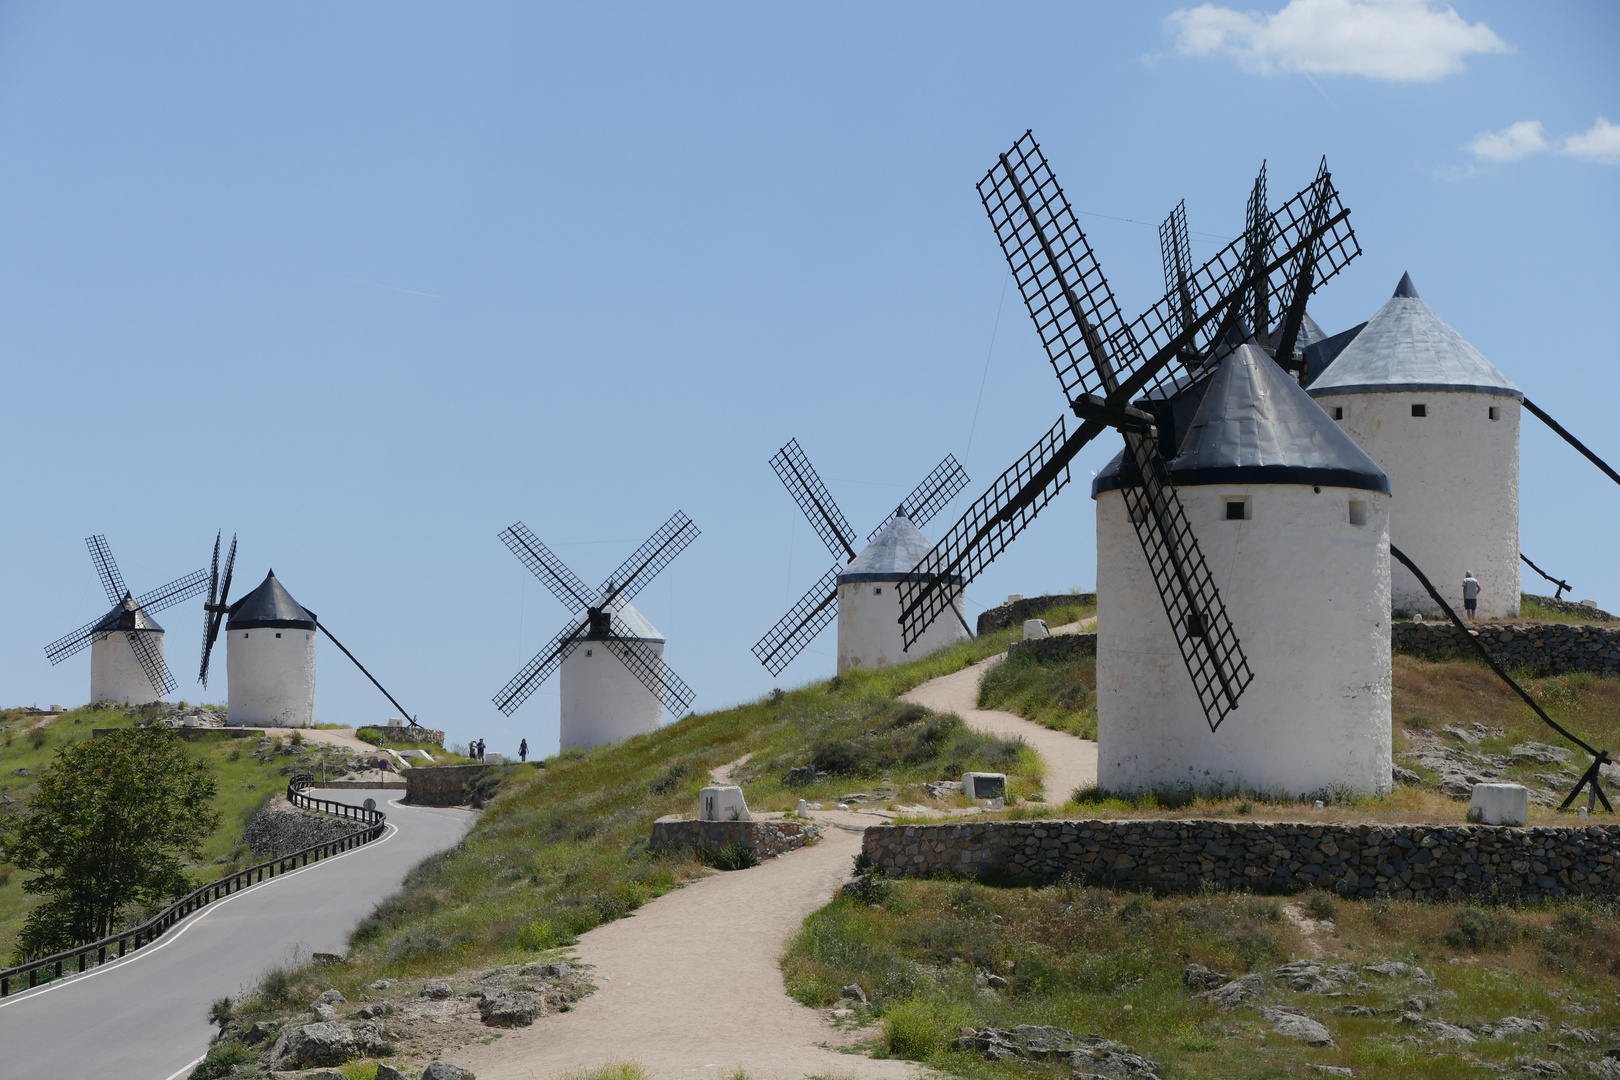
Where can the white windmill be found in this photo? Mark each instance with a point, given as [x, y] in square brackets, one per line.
[269, 651]
[1293, 520]
[863, 590]
[1443, 422]
[614, 682]
[126, 644]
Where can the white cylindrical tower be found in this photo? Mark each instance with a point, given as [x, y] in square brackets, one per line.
[869, 602]
[270, 659]
[1292, 519]
[603, 701]
[1443, 423]
[116, 673]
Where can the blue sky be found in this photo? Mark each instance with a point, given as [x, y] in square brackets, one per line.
[366, 283]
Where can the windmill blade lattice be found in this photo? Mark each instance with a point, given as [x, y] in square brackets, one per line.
[936, 491]
[175, 592]
[106, 568]
[653, 672]
[799, 477]
[564, 584]
[217, 606]
[809, 617]
[541, 668]
[651, 557]
[988, 526]
[152, 663]
[1175, 246]
[1209, 647]
[65, 646]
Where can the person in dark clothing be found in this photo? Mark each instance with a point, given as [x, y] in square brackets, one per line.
[523, 750]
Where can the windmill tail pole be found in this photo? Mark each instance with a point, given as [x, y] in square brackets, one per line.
[1599, 757]
[1572, 440]
[368, 674]
[1562, 585]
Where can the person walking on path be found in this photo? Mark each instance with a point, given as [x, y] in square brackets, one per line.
[523, 750]
[1470, 593]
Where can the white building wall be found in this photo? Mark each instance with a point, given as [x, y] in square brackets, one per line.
[1455, 478]
[602, 701]
[271, 673]
[869, 627]
[1308, 596]
[116, 673]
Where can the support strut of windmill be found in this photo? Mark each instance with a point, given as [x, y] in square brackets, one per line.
[126, 644]
[1103, 364]
[862, 590]
[614, 681]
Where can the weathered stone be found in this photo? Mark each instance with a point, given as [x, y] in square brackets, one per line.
[1293, 1024]
[1509, 1026]
[372, 1011]
[310, 1045]
[1440, 1031]
[853, 992]
[1237, 991]
[1396, 969]
[552, 970]
[261, 1031]
[333, 997]
[509, 1008]
[1197, 977]
[324, 1011]
[443, 1070]
[388, 1072]
[438, 991]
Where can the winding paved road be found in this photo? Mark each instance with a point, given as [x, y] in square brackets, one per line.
[144, 1017]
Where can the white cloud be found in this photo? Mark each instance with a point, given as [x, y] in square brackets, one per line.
[1396, 40]
[1511, 143]
[1600, 143]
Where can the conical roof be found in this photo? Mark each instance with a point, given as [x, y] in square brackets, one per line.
[270, 605]
[891, 556]
[1256, 426]
[127, 615]
[630, 623]
[1408, 347]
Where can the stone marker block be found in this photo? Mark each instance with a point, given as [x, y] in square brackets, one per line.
[1500, 804]
[984, 785]
[722, 803]
[1034, 628]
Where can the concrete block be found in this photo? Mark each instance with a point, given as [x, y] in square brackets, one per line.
[722, 803]
[1500, 804]
[984, 785]
[1035, 628]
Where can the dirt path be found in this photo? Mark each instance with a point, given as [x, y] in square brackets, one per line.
[1070, 762]
[689, 985]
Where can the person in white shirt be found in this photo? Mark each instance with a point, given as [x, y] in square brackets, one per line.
[1470, 593]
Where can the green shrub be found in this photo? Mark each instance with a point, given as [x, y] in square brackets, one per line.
[538, 935]
[222, 1060]
[730, 857]
[1321, 905]
[917, 1029]
[1480, 929]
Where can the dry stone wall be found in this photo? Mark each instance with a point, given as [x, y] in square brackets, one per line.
[766, 839]
[1545, 648]
[1427, 862]
[1049, 650]
[281, 827]
[1013, 614]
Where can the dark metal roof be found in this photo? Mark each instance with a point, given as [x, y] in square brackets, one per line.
[1408, 347]
[125, 615]
[1254, 425]
[270, 605]
[891, 556]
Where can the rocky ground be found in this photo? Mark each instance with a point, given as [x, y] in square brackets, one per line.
[408, 1025]
[1454, 755]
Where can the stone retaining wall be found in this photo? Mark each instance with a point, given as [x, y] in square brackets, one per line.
[1570, 607]
[1013, 614]
[766, 839]
[1428, 862]
[281, 827]
[1048, 650]
[1545, 648]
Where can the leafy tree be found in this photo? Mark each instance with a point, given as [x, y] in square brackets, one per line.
[108, 832]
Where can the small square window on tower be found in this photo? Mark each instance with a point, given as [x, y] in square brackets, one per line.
[1420, 410]
[1237, 509]
[877, 590]
[1494, 413]
[1358, 511]
[1338, 412]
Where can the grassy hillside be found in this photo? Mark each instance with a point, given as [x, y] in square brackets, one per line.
[249, 771]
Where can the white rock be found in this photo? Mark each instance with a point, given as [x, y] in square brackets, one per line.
[984, 785]
[1036, 628]
[1500, 804]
